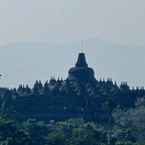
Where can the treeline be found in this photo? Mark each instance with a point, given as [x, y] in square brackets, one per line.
[128, 128]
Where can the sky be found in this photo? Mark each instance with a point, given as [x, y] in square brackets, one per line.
[40, 39]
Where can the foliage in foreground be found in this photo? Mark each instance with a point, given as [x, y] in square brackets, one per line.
[69, 132]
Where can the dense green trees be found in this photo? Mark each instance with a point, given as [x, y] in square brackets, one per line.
[69, 132]
[11, 134]
[133, 120]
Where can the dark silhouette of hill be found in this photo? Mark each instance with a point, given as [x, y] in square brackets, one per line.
[81, 95]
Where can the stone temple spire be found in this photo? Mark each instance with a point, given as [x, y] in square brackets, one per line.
[81, 62]
[81, 71]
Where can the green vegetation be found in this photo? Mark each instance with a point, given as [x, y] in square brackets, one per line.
[126, 130]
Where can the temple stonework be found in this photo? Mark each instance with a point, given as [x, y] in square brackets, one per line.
[74, 97]
[81, 71]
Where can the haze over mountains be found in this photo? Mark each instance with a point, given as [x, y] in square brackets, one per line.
[26, 62]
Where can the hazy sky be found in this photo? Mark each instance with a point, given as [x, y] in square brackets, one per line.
[41, 38]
